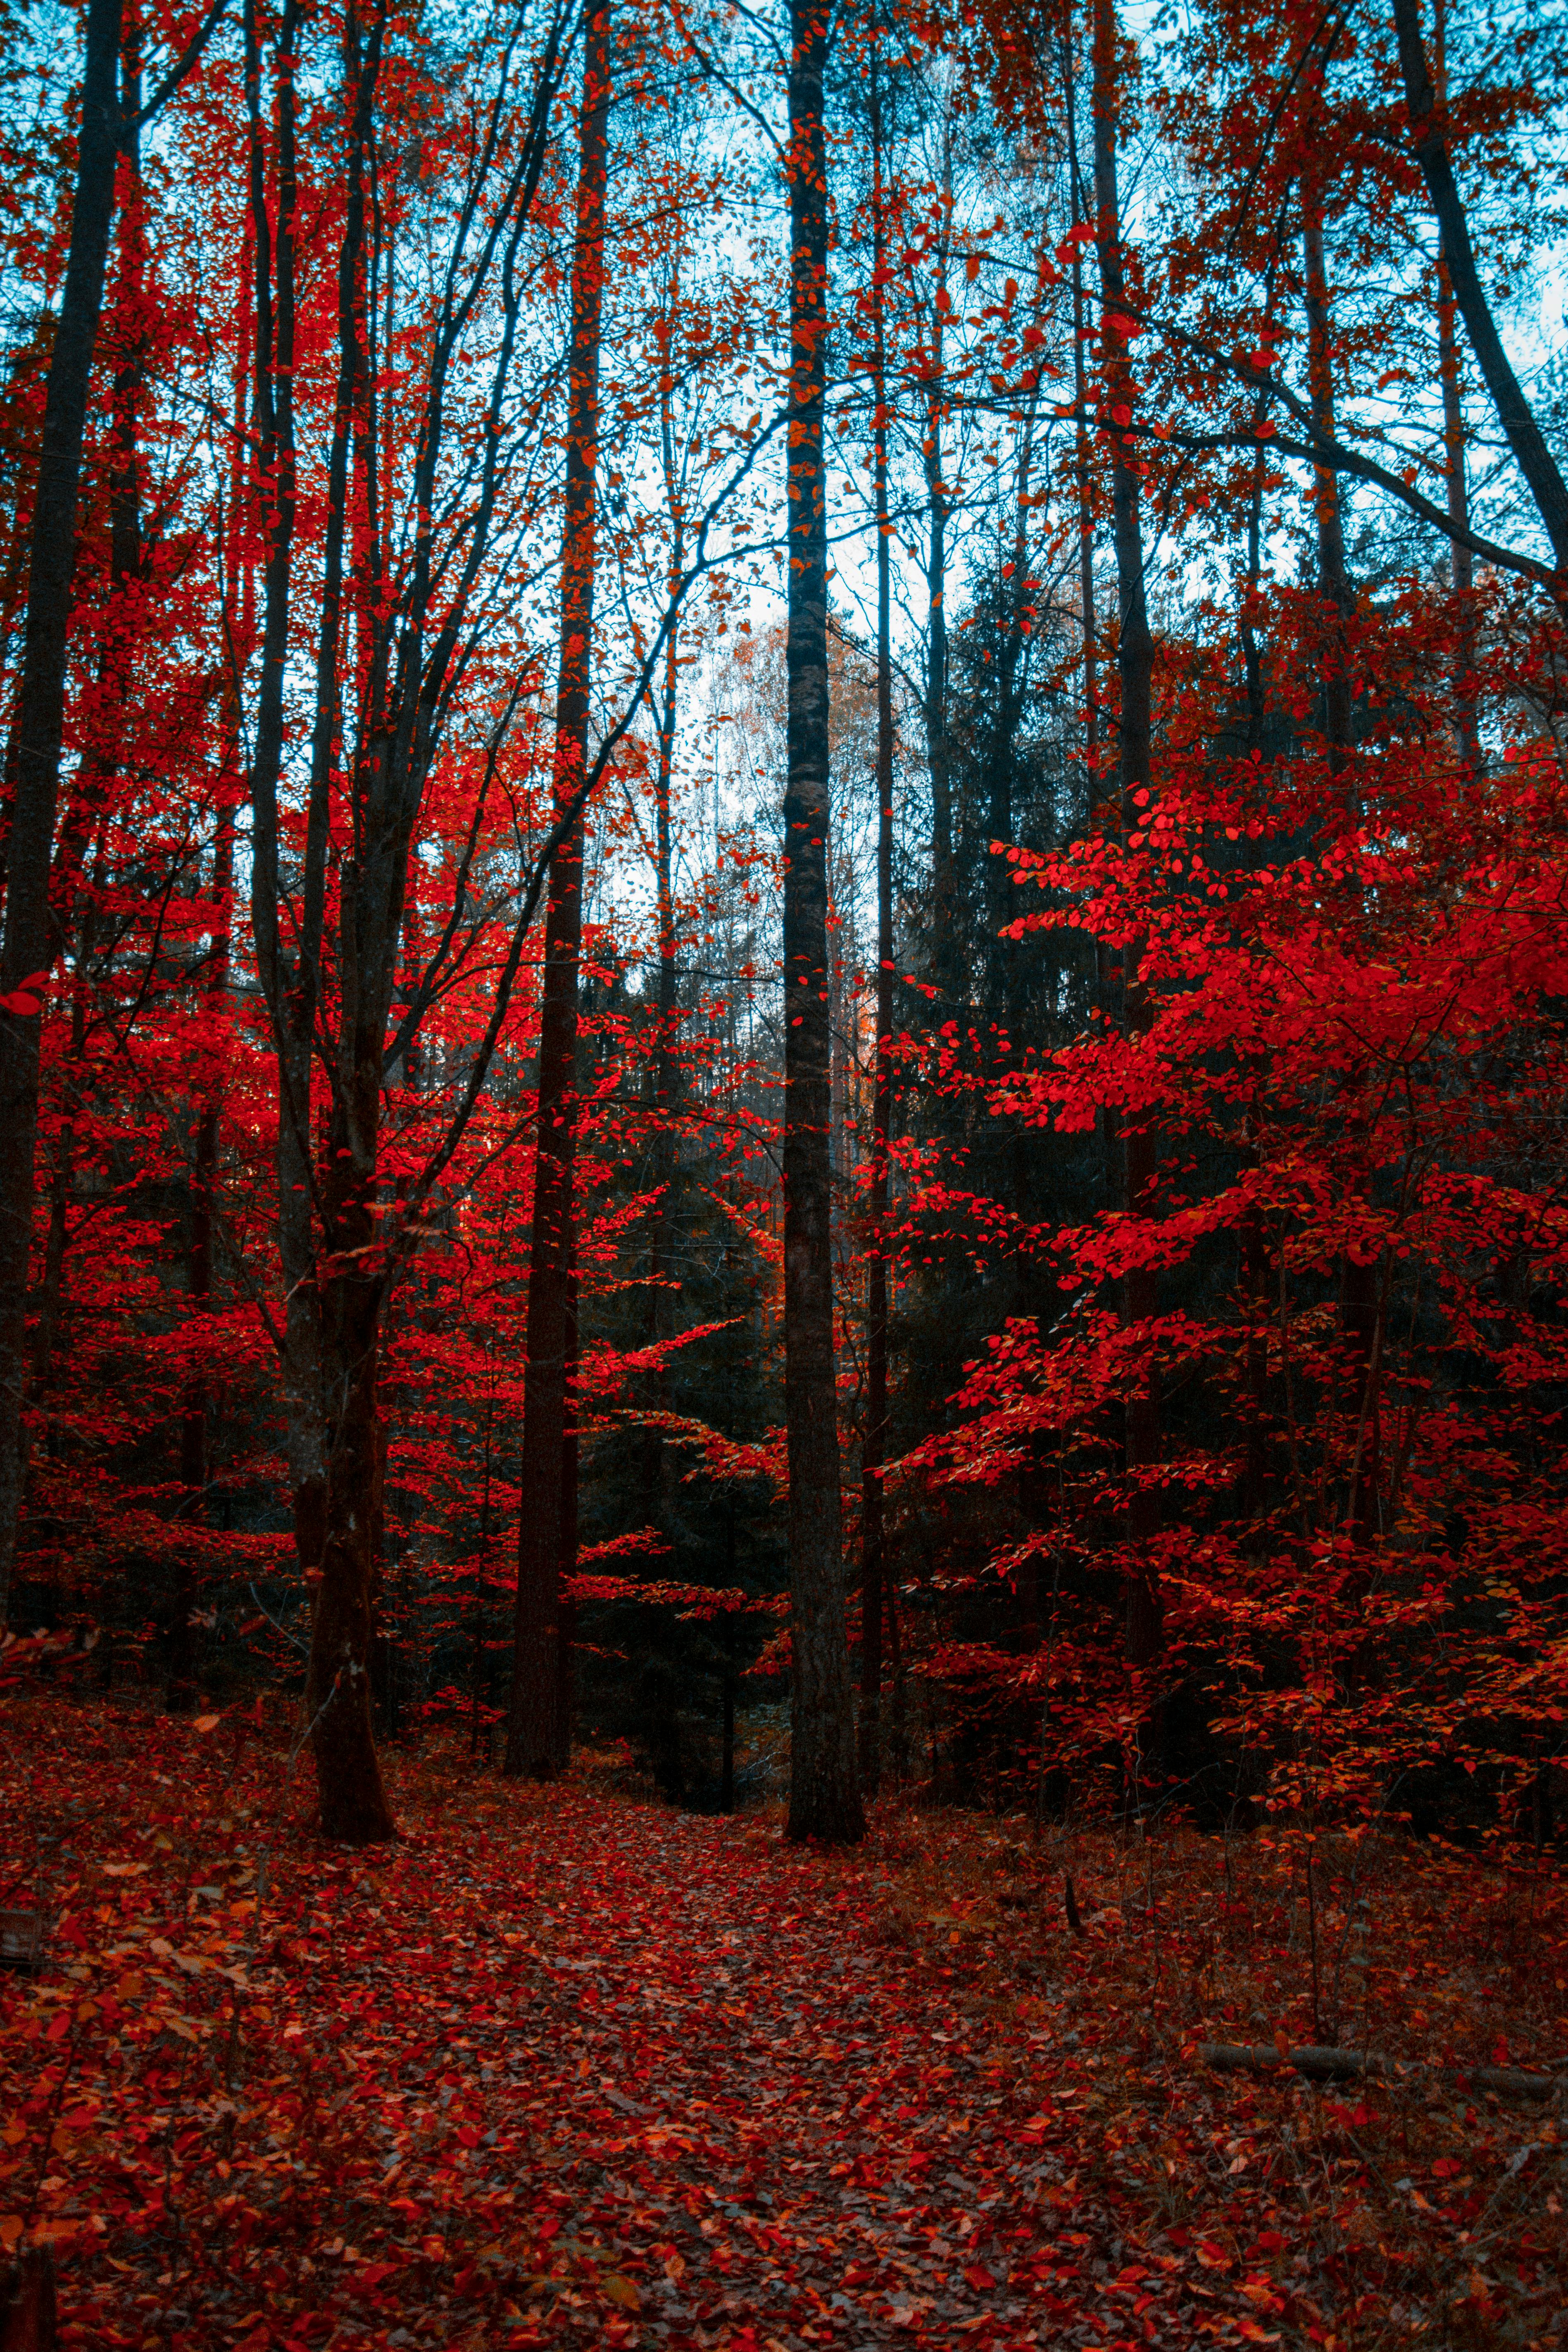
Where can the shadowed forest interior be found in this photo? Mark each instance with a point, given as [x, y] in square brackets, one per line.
[782, 1092]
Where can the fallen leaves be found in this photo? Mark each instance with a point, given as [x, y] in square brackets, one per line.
[566, 2069]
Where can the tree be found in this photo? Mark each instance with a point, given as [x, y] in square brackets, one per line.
[874, 1447]
[1135, 669]
[29, 946]
[824, 1797]
[536, 1738]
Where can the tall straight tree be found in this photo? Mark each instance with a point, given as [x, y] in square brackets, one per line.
[875, 1448]
[39, 728]
[535, 1738]
[824, 1794]
[1358, 1277]
[1135, 666]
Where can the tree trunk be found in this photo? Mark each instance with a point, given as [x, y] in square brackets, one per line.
[354, 1809]
[874, 1449]
[1525, 438]
[1333, 578]
[1358, 1280]
[1107, 973]
[1135, 663]
[566, 1550]
[825, 1795]
[40, 724]
[665, 1073]
[1466, 728]
[939, 752]
[285, 977]
[533, 1735]
[349, 1273]
[198, 1401]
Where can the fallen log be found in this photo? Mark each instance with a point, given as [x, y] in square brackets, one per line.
[1326, 2065]
[21, 1939]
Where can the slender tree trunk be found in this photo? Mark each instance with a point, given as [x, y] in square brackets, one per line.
[349, 1273]
[199, 1261]
[874, 1450]
[939, 751]
[1466, 728]
[1333, 578]
[1358, 1280]
[825, 1795]
[1107, 973]
[40, 724]
[533, 1735]
[1002, 965]
[665, 1072]
[1251, 650]
[1135, 663]
[285, 973]
[565, 1677]
[1525, 438]
[1465, 725]
[198, 1401]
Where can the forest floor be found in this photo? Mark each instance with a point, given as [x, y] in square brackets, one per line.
[567, 2067]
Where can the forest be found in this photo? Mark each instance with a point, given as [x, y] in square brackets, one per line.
[784, 1321]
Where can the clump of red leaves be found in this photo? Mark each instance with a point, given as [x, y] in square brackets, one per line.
[561, 2068]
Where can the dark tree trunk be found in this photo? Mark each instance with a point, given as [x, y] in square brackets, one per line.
[349, 1271]
[874, 1450]
[287, 970]
[1334, 577]
[534, 1737]
[939, 751]
[825, 1795]
[1107, 974]
[197, 1403]
[1135, 663]
[1466, 728]
[1003, 964]
[354, 1809]
[665, 1072]
[1525, 438]
[566, 1622]
[1358, 1280]
[39, 726]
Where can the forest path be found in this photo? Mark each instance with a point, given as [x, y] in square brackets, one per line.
[783, 2111]
[562, 2068]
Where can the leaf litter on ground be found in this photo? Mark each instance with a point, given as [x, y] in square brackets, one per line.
[563, 2066]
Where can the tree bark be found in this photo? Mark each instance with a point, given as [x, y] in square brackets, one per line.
[939, 751]
[665, 1073]
[1525, 438]
[874, 1449]
[566, 1546]
[198, 1400]
[1466, 728]
[350, 1273]
[1107, 972]
[286, 976]
[1358, 1281]
[1135, 665]
[825, 1795]
[534, 1737]
[1330, 2066]
[39, 730]
[1334, 577]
